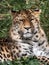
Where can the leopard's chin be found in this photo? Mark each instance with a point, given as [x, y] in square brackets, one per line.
[27, 35]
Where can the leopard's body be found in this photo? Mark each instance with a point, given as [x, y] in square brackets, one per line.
[28, 38]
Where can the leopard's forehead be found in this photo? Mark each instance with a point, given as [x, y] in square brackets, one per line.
[26, 14]
[23, 16]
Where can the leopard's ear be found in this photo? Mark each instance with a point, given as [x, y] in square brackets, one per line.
[36, 13]
[14, 14]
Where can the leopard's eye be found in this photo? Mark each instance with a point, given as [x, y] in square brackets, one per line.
[21, 19]
[32, 19]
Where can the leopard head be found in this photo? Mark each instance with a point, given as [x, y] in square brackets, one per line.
[24, 24]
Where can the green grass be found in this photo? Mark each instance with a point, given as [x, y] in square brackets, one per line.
[24, 61]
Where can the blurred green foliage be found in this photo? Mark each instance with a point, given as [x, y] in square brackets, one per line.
[44, 17]
[5, 22]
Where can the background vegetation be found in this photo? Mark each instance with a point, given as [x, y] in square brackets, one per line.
[5, 22]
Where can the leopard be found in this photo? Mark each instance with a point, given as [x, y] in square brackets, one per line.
[27, 37]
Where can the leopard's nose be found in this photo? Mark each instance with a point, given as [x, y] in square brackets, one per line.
[27, 28]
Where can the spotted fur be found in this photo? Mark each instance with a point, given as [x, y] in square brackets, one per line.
[28, 38]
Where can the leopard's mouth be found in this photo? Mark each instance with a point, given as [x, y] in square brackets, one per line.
[26, 35]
